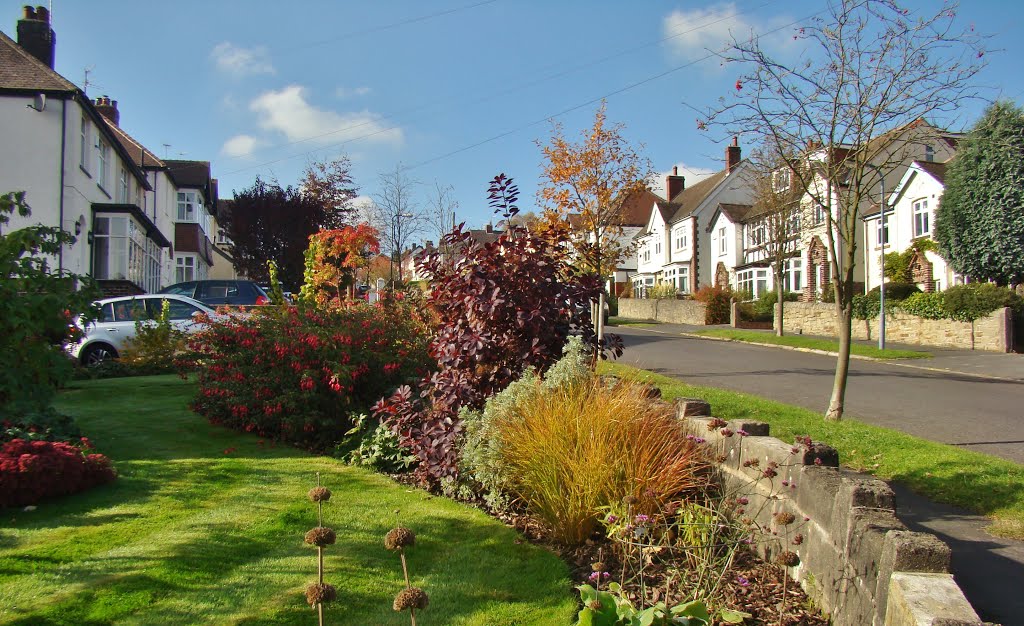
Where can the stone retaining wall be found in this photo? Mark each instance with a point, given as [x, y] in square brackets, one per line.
[665, 311]
[993, 333]
[857, 561]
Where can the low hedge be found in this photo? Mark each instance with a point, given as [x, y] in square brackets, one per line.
[31, 471]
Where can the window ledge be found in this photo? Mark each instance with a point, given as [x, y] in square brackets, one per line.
[85, 171]
[100, 187]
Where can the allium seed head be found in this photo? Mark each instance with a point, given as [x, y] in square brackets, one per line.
[398, 538]
[317, 593]
[411, 598]
[789, 559]
[784, 518]
[319, 494]
[320, 536]
[597, 566]
[628, 500]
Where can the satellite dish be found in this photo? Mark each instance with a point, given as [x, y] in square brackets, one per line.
[39, 102]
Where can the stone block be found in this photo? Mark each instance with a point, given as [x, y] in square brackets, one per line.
[918, 599]
[751, 427]
[816, 492]
[819, 454]
[855, 492]
[692, 407]
[906, 551]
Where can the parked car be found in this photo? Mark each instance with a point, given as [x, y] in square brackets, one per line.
[218, 292]
[106, 337]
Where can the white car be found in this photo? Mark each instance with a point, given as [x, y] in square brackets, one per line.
[106, 337]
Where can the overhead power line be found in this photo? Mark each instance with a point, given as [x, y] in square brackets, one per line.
[491, 96]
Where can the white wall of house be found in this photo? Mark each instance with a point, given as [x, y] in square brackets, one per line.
[910, 216]
[726, 246]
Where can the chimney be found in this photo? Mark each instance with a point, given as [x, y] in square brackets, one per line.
[733, 155]
[490, 228]
[674, 183]
[35, 35]
[108, 109]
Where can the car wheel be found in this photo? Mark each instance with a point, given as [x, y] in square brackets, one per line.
[98, 353]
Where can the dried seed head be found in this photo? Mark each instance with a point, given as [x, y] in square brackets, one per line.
[320, 536]
[317, 593]
[784, 518]
[789, 559]
[398, 538]
[319, 494]
[597, 566]
[411, 598]
[628, 500]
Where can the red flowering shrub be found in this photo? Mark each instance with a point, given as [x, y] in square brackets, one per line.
[300, 374]
[717, 301]
[31, 471]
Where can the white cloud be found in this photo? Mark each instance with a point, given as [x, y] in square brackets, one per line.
[240, 61]
[693, 33]
[288, 111]
[239, 146]
[356, 92]
[691, 176]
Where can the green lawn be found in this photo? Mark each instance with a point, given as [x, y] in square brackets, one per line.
[205, 526]
[811, 343]
[973, 481]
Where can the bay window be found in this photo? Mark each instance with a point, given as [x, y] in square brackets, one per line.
[122, 251]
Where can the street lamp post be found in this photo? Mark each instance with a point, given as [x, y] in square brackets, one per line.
[881, 257]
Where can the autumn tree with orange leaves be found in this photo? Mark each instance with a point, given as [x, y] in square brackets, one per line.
[332, 259]
[588, 181]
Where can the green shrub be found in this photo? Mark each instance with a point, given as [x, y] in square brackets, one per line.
[155, 344]
[866, 307]
[46, 425]
[764, 306]
[378, 448]
[967, 303]
[927, 305]
[896, 291]
[828, 293]
[717, 303]
[662, 291]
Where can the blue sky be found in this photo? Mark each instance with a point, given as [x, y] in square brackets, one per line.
[456, 90]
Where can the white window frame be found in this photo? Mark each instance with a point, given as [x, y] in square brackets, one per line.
[723, 242]
[819, 214]
[188, 206]
[122, 186]
[103, 170]
[682, 241]
[781, 180]
[882, 231]
[683, 278]
[793, 275]
[83, 150]
[922, 218]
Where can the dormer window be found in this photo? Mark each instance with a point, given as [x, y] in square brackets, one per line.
[929, 153]
[781, 180]
[188, 206]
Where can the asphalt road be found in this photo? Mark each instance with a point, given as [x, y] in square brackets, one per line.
[976, 413]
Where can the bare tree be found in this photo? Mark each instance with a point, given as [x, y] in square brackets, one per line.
[441, 215]
[848, 113]
[773, 225]
[329, 183]
[397, 215]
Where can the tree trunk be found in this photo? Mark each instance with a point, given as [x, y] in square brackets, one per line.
[599, 323]
[844, 316]
[779, 292]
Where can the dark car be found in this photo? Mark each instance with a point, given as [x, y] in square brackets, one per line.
[218, 292]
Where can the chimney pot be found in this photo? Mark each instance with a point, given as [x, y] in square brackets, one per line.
[35, 35]
[733, 155]
[674, 183]
[108, 109]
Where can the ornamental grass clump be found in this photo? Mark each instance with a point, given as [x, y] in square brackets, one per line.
[320, 593]
[570, 451]
[411, 598]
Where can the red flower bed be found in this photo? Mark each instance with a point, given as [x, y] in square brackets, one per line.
[31, 471]
[300, 374]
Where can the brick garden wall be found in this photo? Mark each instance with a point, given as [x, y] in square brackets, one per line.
[992, 333]
[665, 311]
[856, 559]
